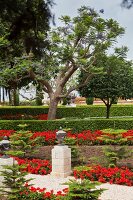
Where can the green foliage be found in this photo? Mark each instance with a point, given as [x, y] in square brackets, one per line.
[65, 101]
[64, 112]
[22, 143]
[23, 110]
[75, 154]
[89, 100]
[75, 125]
[73, 46]
[67, 112]
[113, 153]
[20, 26]
[39, 95]
[82, 168]
[83, 189]
[14, 181]
[115, 80]
[115, 101]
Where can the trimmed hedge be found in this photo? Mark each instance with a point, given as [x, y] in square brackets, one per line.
[62, 112]
[75, 125]
[29, 110]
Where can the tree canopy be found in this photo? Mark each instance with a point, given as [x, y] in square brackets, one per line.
[115, 80]
[26, 23]
[76, 45]
[23, 28]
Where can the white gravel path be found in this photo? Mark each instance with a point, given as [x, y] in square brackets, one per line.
[114, 192]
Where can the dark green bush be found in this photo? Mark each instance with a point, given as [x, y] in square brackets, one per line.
[89, 100]
[75, 125]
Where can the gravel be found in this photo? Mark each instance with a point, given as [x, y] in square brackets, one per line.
[113, 192]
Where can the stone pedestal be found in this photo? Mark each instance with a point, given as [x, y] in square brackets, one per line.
[61, 161]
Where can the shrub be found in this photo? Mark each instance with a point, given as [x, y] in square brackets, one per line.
[89, 100]
[75, 125]
[63, 112]
[83, 189]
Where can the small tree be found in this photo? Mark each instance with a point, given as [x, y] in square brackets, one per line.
[14, 177]
[14, 181]
[113, 153]
[114, 81]
[83, 189]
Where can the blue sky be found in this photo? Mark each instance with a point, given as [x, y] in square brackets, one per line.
[112, 9]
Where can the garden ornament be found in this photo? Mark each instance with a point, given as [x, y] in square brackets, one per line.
[60, 135]
[5, 146]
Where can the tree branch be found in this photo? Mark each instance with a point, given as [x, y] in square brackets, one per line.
[77, 86]
[68, 74]
[46, 86]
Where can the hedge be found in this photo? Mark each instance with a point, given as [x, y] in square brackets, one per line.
[75, 125]
[29, 110]
[63, 112]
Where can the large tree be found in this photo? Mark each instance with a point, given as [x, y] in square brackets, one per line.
[23, 28]
[115, 80]
[73, 47]
[26, 24]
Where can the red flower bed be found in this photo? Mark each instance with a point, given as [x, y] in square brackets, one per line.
[122, 176]
[30, 192]
[35, 166]
[86, 137]
[49, 137]
[5, 133]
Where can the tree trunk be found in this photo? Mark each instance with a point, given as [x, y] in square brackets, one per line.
[14, 97]
[39, 96]
[53, 108]
[108, 106]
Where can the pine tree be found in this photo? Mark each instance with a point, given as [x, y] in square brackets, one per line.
[14, 181]
[14, 177]
[113, 153]
[83, 189]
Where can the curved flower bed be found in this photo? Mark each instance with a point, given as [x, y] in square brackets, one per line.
[122, 176]
[35, 166]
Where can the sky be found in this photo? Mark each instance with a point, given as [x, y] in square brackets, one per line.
[112, 9]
